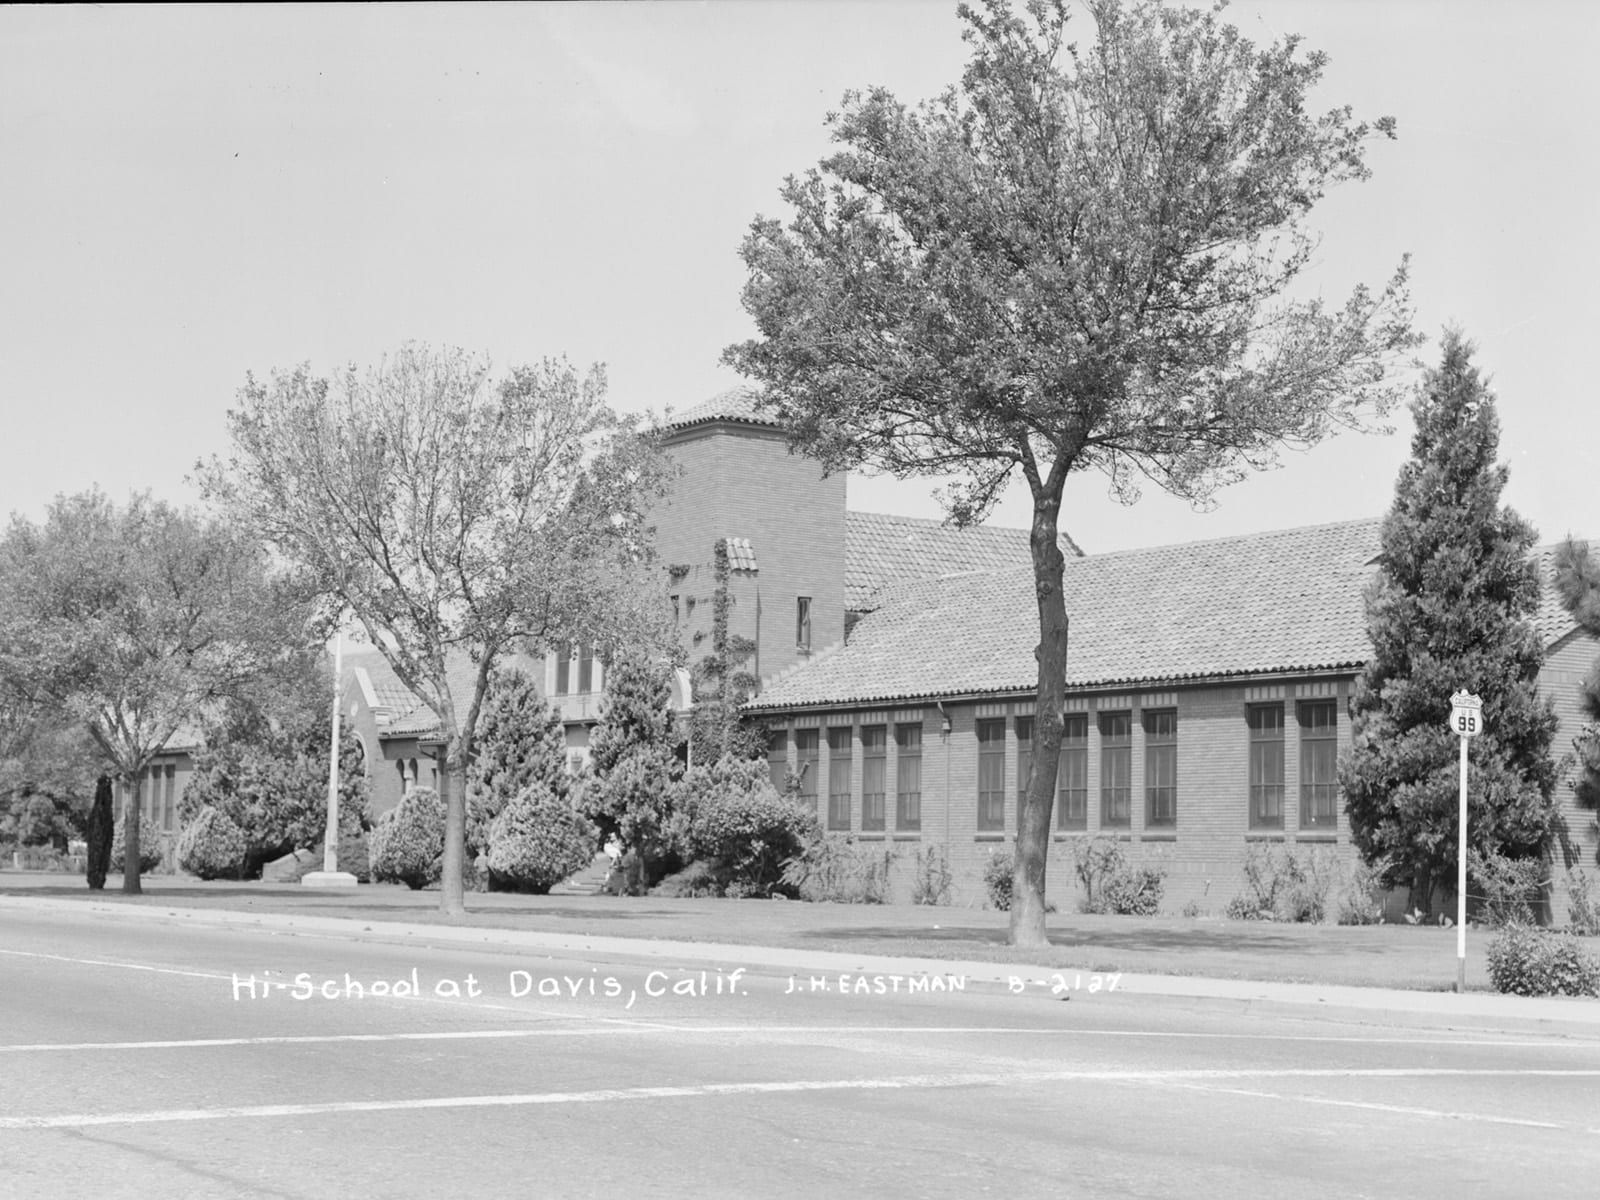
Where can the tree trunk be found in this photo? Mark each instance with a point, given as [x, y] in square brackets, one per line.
[1033, 821]
[130, 837]
[452, 893]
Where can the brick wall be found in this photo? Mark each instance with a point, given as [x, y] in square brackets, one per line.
[741, 481]
[1202, 853]
[1566, 665]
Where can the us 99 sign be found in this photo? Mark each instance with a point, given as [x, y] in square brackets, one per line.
[1466, 714]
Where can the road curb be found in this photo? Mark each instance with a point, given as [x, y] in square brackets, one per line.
[1437, 1010]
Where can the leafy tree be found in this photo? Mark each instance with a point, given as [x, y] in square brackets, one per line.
[520, 743]
[717, 725]
[633, 762]
[1578, 583]
[1075, 260]
[264, 770]
[132, 622]
[46, 776]
[1452, 607]
[453, 518]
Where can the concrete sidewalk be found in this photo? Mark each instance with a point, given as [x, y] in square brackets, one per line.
[1434, 1009]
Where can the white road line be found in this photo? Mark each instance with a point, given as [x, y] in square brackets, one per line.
[1399, 1109]
[106, 962]
[1006, 1079]
[752, 1030]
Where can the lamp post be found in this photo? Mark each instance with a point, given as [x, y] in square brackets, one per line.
[1466, 722]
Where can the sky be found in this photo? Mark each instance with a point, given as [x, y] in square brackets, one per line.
[190, 195]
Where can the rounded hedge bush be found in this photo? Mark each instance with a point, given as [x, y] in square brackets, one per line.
[730, 816]
[407, 843]
[149, 846]
[212, 846]
[1528, 961]
[538, 840]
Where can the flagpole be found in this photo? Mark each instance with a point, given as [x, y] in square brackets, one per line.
[330, 875]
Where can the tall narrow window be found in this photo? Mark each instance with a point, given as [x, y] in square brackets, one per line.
[1024, 758]
[908, 778]
[1116, 769]
[874, 761]
[676, 616]
[1161, 768]
[802, 623]
[805, 765]
[169, 806]
[1319, 764]
[991, 775]
[778, 758]
[564, 670]
[1266, 765]
[585, 669]
[1072, 777]
[839, 778]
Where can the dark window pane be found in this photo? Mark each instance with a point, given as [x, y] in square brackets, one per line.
[806, 743]
[1024, 756]
[1116, 769]
[778, 757]
[1319, 751]
[874, 764]
[908, 777]
[1161, 767]
[839, 778]
[991, 775]
[1072, 774]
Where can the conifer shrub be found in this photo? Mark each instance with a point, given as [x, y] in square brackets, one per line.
[538, 840]
[1452, 606]
[212, 846]
[1527, 961]
[149, 846]
[407, 843]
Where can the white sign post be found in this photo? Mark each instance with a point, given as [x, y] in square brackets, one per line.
[1466, 722]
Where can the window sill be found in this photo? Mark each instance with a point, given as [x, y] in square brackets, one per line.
[1063, 835]
[870, 837]
[1326, 837]
[988, 837]
[907, 837]
[1265, 835]
[1159, 835]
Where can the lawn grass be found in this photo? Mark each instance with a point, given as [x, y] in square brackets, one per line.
[1396, 956]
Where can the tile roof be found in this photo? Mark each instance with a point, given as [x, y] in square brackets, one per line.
[882, 551]
[1284, 601]
[735, 404]
[741, 555]
[409, 716]
[1555, 622]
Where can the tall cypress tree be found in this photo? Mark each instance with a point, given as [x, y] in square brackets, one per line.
[633, 756]
[520, 743]
[1452, 607]
[1578, 583]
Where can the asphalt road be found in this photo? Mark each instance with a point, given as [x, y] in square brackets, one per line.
[135, 1062]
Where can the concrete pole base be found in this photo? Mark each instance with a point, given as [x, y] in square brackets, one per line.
[328, 879]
